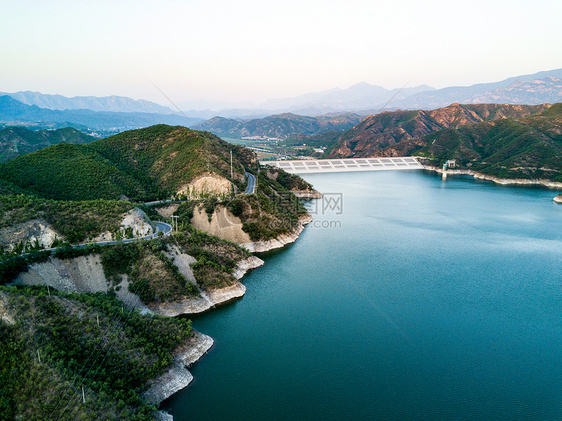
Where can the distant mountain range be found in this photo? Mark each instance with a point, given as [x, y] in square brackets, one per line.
[290, 115]
[361, 96]
[538, 88]
[278, 126]
[116, 104]
[366, 99]
[13, 112]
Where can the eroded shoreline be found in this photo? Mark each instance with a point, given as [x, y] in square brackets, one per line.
[497, 180]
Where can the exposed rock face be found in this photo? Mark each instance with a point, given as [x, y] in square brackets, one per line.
[223, 224]
[306, 194]
[202, 303]
[246, 265]
[210, 184]
[81, 274]
[29, 232]
[6, 315]
[281, 241]
[183, 262]
[167, 211]
[397, 133]
[136, 220]
[178, 377]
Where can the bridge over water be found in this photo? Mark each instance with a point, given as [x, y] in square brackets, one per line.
[346, 165]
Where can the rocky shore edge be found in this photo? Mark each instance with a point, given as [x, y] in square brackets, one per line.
[497, 180]
[282, 240]
[308, 194]
[211, 299]
[178, 376]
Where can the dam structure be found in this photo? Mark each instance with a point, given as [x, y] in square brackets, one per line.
[310, 166]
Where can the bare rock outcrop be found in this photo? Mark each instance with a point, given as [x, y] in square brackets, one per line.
[209, 184]
[35, 230]
[6, 314]
[178, 376]
[308, 194]
[80, 274]
[134, 221]
[247, 265]
[223, 224]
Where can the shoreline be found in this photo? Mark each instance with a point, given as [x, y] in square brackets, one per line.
[280, 241]
[497, 180]
[178, 376]
[211, 299]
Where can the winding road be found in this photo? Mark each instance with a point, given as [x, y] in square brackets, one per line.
[251, 189]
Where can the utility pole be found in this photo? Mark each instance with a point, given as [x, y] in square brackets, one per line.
[231, 173]
[83, 395]
[175, 218]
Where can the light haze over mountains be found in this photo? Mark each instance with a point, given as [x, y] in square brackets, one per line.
[361, 98]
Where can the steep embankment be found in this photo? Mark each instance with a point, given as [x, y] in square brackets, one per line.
[31, 222]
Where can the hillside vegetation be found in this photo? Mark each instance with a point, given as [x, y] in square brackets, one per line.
[142, 165]
[54, 344]
[398, 133]
[528, 147]
[16, 141]
[75, 221]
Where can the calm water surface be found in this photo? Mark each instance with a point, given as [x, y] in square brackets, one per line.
[418, 300]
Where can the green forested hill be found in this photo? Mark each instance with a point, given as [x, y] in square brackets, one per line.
[145, 164]
[16, 141]
[529, 147]
[396, 133]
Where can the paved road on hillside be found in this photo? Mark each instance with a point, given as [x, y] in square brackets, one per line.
[162, 227]
[251, 189]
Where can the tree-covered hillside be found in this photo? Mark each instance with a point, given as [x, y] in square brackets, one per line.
[54, 345]
[396, 133]
[16, 141]
[529, 147]
[146, 164]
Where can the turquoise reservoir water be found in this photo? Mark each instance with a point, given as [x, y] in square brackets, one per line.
[416, 299]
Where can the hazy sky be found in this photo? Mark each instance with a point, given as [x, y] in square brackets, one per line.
[251, 50]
